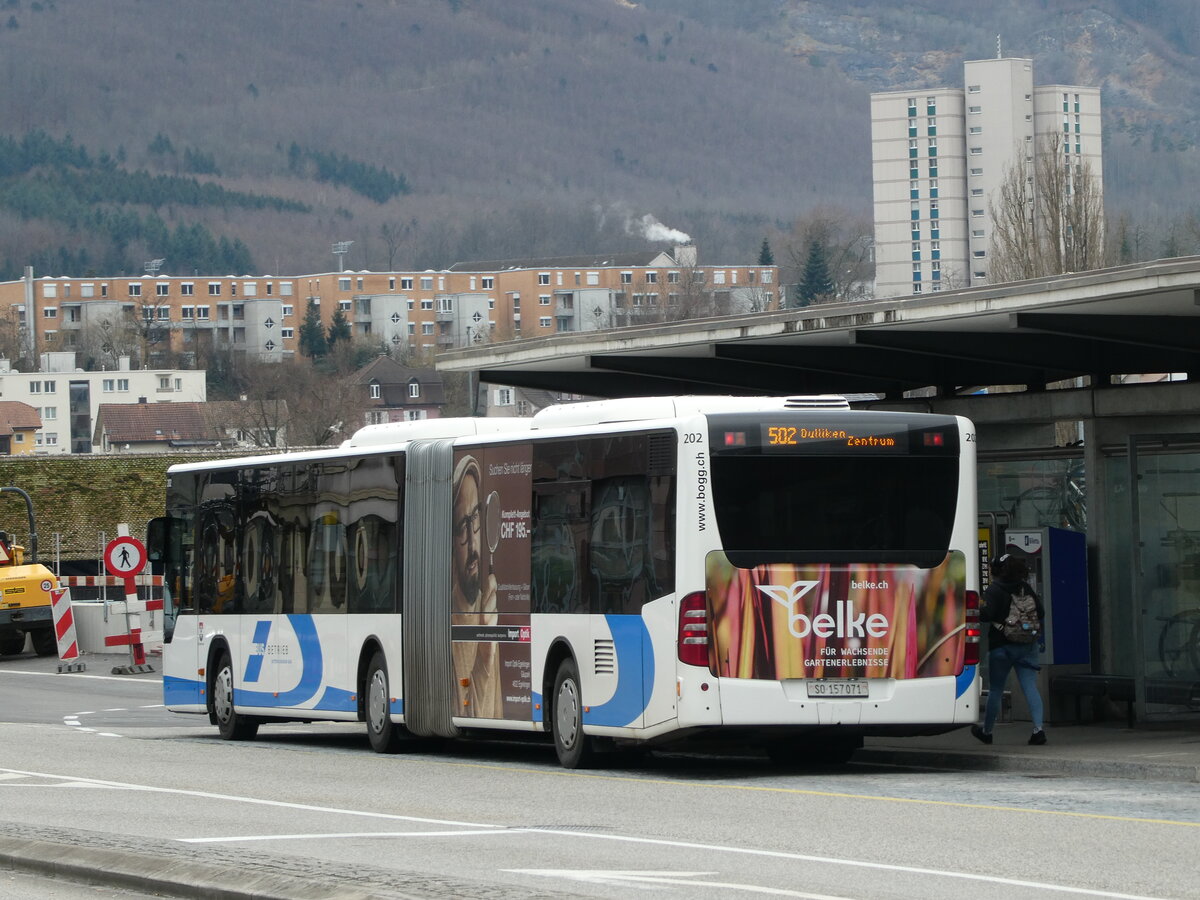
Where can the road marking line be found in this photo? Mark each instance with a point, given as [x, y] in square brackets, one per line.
[837, 795]
[601, 876]
[254, 801]
[852, 863]
[154, 682]
[712, 848]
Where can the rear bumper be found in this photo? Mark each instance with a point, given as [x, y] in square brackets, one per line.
[27, 617]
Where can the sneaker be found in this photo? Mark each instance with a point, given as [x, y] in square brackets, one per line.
[981, 735]
[1038, 738]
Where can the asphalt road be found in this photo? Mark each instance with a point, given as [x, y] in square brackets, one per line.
[94, 773]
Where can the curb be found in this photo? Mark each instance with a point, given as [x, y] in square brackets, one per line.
[173, 877]
[1027, 764]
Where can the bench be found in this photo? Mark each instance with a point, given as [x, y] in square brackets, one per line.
[1119, 688]
[1109, 687]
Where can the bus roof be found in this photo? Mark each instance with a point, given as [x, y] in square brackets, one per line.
[395, 435]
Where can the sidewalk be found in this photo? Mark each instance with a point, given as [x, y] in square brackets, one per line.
[1149, 752]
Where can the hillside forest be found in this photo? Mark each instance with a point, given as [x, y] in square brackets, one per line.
[236, 138]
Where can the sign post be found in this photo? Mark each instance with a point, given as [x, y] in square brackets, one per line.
[125, 557]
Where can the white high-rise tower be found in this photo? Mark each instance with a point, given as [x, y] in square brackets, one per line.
[939, 156]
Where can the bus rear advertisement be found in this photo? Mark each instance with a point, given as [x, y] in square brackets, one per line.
[788, 572]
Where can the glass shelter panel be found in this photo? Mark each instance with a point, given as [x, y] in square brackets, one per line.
[1166, 575]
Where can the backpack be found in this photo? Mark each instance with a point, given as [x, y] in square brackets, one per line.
[1021, 625]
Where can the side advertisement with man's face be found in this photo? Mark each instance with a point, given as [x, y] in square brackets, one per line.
[489, 581]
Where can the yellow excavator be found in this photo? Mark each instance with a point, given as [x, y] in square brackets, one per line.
[25, 602]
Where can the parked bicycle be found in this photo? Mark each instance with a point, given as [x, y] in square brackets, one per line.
[1179, 644]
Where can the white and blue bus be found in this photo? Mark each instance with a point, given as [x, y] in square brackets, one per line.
[785, 572]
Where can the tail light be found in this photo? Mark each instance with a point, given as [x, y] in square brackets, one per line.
[693, 630]
[971, 650]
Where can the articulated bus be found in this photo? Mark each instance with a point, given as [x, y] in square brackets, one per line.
[790, 574]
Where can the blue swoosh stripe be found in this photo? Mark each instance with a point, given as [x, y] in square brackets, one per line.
[962, 682]
[262, 631]
[635, 673]
[337, 699]
[310, 677]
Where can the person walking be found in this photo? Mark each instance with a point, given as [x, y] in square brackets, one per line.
[1015, 639]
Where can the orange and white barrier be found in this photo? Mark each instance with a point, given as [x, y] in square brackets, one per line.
[109, 580]
[64, 631]
[132, 623]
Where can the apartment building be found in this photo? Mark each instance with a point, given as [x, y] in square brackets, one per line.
[165, 318]
[940, 156]
[68, 399]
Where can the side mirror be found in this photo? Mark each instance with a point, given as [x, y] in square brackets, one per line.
[156, 539]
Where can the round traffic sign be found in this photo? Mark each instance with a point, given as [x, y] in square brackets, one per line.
[124, 557]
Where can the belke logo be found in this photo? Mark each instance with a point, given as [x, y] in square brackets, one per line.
[842, 623]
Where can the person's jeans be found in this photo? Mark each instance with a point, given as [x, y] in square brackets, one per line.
[1001, 661]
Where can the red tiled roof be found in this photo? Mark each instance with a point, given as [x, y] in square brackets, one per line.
[153, 422]
[17, 416]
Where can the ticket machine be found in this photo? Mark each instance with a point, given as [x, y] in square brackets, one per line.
[1057, 561]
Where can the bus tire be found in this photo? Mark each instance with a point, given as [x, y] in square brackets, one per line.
[12, 643]
[574, 748]
[231, 725]
[384, 734]
[45, 643]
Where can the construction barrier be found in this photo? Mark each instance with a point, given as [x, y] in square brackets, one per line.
[64, 631]
[137, 652]
[109, 580]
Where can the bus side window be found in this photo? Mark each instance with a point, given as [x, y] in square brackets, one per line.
[372, 536]
[559, 548]
[621, 553]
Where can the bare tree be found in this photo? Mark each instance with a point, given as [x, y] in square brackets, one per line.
[847, 241]
[104, 340]
[686, 294]
[261, 413]
[10, 335]
[323, 407]
[1048, 218]
[393, 235]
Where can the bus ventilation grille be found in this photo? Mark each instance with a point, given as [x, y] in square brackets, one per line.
[661, 459]
[605, 657]
[819, 401]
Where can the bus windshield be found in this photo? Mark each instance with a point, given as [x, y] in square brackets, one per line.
[835, 509]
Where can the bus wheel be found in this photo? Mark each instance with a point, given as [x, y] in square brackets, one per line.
[12, 644]
[384, 734]
[44, 642]
[574, 748]
[231, 725]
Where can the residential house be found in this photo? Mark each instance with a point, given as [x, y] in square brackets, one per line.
[19, 424]
[155, 427]
[398, 393]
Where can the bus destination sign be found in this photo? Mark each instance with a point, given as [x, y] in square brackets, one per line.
[820, 439]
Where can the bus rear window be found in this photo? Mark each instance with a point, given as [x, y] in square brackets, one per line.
[835, 509]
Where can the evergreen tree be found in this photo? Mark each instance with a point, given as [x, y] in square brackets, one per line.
[339, 328]
[815, 283]
[765, 256]
[312, 335]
